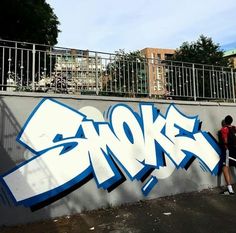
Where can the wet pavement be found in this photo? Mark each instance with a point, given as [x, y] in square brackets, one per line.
[197, 212]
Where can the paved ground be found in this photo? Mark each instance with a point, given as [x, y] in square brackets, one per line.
[198, 212]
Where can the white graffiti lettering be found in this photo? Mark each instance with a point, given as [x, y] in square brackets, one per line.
[69, 148]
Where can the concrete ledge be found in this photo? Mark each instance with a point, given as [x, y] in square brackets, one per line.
[112, 98]
[227, 104]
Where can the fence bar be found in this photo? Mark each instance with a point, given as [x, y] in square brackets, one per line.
[233, 83]
[194, 83]
[96, 73]
[15, 64]
[3, 66]
[33, 68]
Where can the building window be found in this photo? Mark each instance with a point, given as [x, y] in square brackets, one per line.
[168, 56]
[152, 57]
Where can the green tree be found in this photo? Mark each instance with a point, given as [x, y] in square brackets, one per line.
[207, 78]
[203, 51]
[29, 21]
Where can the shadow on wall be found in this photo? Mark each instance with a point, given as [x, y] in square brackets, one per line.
[11, 154]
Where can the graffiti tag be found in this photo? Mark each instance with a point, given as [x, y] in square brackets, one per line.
[69, 147]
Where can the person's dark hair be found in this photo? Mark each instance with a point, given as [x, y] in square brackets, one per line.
[228, 120]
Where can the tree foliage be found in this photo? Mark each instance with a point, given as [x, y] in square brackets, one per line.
[203, 51]
[29, 21]
[207, 76]
[127, 73]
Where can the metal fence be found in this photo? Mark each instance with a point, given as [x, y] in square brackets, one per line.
[40, 68]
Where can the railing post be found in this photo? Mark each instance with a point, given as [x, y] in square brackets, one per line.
[149, 77]
[50, 62]
[3, 70]
[96, 73]
[33, 68]
[233, 83]
[9, 64]
[15, 70]
[194, 84]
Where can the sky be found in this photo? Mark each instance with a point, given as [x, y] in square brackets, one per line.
[108, 26]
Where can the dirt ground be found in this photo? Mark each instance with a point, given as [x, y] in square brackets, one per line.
[200, 212]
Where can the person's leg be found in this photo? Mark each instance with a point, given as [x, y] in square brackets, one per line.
[228, 179]
[227, 175]
[231, 162]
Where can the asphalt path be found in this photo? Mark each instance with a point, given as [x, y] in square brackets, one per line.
[197, 212]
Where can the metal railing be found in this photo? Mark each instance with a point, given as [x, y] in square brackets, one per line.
[40, 68]
[199, 82]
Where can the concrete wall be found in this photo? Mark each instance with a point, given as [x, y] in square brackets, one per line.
[14, 112]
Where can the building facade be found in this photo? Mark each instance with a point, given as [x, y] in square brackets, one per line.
[156, 69]
[81, 69]
[231, 55]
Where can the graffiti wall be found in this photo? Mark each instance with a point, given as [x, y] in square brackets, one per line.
[81, 154]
